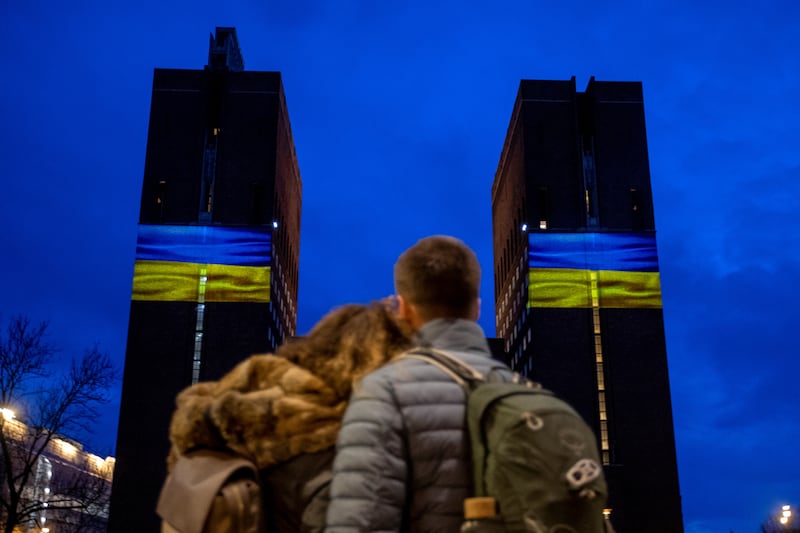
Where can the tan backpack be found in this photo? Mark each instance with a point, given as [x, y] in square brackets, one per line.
[211, 492]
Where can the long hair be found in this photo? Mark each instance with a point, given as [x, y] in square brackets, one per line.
[349, 342]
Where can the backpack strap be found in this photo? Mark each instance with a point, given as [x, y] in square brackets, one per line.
[462, 373]
[458, 370]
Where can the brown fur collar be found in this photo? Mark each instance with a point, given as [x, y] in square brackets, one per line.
[266, 409]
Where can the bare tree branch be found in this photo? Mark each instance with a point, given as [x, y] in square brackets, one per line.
[24, 354]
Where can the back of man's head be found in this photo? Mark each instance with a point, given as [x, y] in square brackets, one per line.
[440, 276]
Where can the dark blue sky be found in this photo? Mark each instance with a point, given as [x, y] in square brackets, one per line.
[399, 111]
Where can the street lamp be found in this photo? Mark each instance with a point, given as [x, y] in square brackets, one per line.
[786, 514]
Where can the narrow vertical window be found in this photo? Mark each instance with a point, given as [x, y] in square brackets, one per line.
[257, 214]
[161, 198]
[605, 443]
[637, 216]
[543, 207]
[197, 359]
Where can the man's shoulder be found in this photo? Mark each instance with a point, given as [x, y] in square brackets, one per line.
[402, 371]
[410, 368]
[401, 368]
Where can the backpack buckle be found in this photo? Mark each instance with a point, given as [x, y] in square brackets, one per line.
[582, 473]
[534, 422]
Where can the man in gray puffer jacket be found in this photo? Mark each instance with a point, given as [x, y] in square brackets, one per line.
[402, 461]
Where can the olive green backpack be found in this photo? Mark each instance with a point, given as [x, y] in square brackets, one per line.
[531, 453]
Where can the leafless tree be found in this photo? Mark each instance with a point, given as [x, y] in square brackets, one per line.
[40, 476]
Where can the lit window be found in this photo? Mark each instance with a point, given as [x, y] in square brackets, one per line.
[601, 381]
[542, 224]
[604, 435]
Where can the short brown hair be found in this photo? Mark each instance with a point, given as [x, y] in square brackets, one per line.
[440, 275]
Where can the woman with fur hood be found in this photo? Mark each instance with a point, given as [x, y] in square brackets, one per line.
[283, 411]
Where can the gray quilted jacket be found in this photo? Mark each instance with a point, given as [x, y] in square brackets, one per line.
[402, 461]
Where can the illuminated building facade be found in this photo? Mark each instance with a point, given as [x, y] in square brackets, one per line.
[216, 273]
[577, 288]
[68, 489]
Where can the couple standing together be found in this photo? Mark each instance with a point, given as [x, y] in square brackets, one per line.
[393, 427]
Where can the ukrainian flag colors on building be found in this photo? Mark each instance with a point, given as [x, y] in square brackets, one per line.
[609, 270]
[202, 264]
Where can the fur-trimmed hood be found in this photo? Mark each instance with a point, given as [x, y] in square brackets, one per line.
[267, 409]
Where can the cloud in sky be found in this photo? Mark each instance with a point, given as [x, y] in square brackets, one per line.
[399, 112]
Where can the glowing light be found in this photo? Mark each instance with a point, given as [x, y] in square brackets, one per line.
[524, 227]
[542, 224]
[8, 414]
[607, 514]
[275, 224]
[67, 449]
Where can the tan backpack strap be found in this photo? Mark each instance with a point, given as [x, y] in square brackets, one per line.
[461, 372]
[444, 368]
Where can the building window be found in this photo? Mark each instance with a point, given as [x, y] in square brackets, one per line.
[162, 185]
[200, 315]
[161, 198]
[605, 445]
[634, 200]
[543, 206]
[637, 217]
[601, 383]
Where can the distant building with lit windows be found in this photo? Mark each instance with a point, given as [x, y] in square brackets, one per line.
[68, 488]
[216, 273]
[577, 288]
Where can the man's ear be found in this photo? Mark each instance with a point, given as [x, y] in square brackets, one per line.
[476, 313]
[408, 312]
[402, 307]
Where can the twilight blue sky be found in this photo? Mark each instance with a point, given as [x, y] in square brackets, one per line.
[399, 111]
